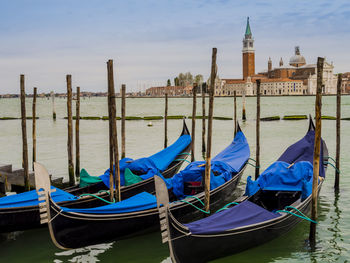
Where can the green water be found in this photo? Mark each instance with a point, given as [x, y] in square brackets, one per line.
[333, 230]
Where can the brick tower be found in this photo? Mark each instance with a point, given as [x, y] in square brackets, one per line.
[248, 53]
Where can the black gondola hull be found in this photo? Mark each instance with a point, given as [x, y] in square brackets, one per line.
[74, 230]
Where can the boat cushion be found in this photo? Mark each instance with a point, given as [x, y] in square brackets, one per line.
[243, 214]
[139, 202]
[30, 198]
[86, 179]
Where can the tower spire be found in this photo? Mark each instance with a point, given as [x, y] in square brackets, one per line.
[248, 32]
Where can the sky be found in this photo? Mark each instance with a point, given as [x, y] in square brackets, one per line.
[151, 41]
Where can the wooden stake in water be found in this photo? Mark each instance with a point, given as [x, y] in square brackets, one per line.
[53, 106]
[235, 110]
[34, 126]
[77, 135]
[337, 151]
[113, 139]
[166, 121]
[24, 135]
[203, 120]
[123, 119]
[194, 110]
[317, 146]
[70, 131]
[257, 158]
[210, 127]
[243, 105]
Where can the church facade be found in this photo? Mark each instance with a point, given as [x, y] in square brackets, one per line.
[297, 78]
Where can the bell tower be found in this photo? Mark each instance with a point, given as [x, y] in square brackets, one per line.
[248, 53]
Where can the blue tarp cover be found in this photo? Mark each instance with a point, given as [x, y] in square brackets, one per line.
[243, 214]
[223, 167]
[303, 150]
[139, 202]
[150, 166]
[298, 177]
[278, 177]
[31, 198]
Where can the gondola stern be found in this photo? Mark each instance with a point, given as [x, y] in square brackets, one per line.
[185, 130]
[311, 124]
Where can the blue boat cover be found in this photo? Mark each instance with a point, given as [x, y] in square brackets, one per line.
[139, 202]
[303, 150]
[223, 167]
[30, 198]
[280, 176]
[243, 214]
[150, 166]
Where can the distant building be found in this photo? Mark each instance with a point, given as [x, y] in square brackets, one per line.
[170, 90]
[297, 78]
[346, 83]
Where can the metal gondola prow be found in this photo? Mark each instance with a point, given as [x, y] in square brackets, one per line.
[43, 188]
[162, 205]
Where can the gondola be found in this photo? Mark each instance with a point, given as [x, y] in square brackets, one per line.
[21, 212]
[272, 205]
[79, 227]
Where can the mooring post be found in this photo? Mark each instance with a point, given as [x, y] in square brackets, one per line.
[111, 148]
[317, 146]
[34, 126]
[203, 120]
[77, 135]
[24, 135]
[70, 131]
[166, 121]
[123, 91]
[337, 151]
[235, 111]
[243, 105]
[194, 111]
[210, 127]
[113, 135]
[257, 158]
[53, 106]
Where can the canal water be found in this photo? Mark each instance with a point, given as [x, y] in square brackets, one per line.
[333, 230]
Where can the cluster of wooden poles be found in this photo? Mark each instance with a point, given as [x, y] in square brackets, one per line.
[206, 148]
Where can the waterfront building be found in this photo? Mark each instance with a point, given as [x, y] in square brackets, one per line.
[297, 78]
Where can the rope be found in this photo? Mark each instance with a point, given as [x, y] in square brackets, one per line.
[330, 158]
[302, 216]
[192, 196]
[226, 206]
[252, 159]
[253, 165]
[195, 206]
[55, 216]
[338, 171]
[185, 153]
[98, 198]
[183, 160]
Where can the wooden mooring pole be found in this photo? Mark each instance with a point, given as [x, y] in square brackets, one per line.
[243, 105]
[70, 131]
[123, 93]
[257, 157]
[317, 146]
[77, 135]
[24, 135]
[53, 106]
[194, 111]
[166, 121]
[235, 111]
[210, 127]
[337, 151]
[113, 139]
[203, 119]
[34, 126]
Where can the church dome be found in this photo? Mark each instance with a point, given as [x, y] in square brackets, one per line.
[297, 60]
